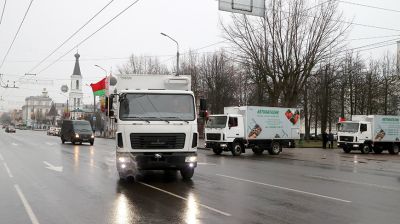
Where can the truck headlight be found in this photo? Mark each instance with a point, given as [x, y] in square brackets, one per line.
[191, 159]
[92, 136]
[76, 135]
[123, 159]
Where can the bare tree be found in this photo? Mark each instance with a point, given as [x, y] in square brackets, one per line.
[143, 65]
[283, 49]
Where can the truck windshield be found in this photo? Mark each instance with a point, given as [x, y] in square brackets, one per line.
[349, 127]
[216, 122]
[154, 106]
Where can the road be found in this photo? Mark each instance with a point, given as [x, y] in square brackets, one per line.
[43, 181]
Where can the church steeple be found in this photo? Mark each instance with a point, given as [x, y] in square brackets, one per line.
[77, 69]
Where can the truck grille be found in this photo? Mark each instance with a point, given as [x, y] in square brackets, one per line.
[346, 139]
[157, 140]
[213, 136]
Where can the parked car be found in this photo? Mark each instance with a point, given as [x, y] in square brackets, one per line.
[10, 129]
[51, 130]
[76, 131]
[57, 131]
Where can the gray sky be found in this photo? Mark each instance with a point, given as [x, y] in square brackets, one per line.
[193, 23]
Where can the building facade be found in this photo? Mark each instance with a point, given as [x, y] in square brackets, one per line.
[35, 110]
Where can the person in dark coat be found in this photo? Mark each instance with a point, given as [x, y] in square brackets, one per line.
[330, 139]
[324, 139]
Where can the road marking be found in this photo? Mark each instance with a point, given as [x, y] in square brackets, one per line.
[185, 199]
[8, 170]
[50, 143]
[1, 157]
[353, 182]
[51, 167]
[28, 208]
[14, 144]
[209, 164]
[285, 188]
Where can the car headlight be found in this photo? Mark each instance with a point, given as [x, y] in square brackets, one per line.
[92, 136]
[191, 159]
[76, 135]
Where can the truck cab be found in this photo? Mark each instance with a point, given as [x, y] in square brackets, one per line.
[354, 135]
[222, 131]
[156, 124]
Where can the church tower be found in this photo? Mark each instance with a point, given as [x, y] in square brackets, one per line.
[76, 94]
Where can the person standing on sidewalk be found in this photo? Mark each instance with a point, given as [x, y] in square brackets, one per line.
[330, 139]
[324, 139]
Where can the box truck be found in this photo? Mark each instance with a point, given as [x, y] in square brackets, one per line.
[258, 128]
[370, 133]
[156, 124]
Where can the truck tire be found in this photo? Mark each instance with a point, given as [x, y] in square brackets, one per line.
[236, 149]
[217, 150]
[275, 149]
[394, 150]
[377, 150]
[187, 173]
[365, 149]
[257, 150]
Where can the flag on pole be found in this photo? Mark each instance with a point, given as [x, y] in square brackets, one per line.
[99, 88]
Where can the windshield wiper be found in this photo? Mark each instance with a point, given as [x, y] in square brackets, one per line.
[161, 119]
[140, 118]
[178, 118]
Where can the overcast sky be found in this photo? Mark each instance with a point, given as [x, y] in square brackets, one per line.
[193, 23]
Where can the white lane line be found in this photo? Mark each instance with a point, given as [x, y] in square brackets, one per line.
[1, 157]
[14, 144]
[8, 170]
[49, 143]
[285, 188]
[185, 199]
[209, 164]
[28, 208]
[353, 182]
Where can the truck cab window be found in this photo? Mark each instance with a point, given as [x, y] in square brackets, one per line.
[233, 122]
[363, 127]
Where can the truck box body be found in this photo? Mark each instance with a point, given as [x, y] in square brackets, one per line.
[268, 122]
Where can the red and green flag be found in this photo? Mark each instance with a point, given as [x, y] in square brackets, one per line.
[99, 88]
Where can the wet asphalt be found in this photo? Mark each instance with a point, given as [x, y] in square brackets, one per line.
[43, 181]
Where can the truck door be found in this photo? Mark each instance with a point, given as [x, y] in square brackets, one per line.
[365, 132]
[233, 128]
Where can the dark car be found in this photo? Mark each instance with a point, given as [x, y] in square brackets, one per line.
[10, 129]
[76, 131]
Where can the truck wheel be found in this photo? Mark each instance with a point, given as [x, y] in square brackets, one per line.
[377, 150]
[365, 149]
[275, 149]
[394, 150]
[257, 150]
[187, 173]
[217, 150]
[236, 149]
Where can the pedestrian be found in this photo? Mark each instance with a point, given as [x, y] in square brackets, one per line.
[324, 139]
[330, 139]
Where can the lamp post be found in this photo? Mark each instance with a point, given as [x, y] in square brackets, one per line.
[177, 52]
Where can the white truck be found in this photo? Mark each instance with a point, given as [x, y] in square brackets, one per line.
[156, 124]
[370, 133]
[258, 128]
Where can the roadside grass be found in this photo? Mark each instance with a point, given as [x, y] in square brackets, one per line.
[311, 144]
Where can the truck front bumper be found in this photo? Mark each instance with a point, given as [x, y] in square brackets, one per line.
[348, 144]
[222, 145]
[129, 163]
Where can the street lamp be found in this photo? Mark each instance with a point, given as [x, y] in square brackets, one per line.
[101, 68]
[177, 52]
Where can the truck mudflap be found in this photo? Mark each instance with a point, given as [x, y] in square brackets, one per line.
[129, 163]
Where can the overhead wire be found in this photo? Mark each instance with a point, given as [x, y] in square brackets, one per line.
[2, 11]
[88, 37]
[71, 36]
[16, 34]
[370, 6]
